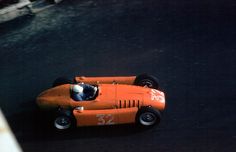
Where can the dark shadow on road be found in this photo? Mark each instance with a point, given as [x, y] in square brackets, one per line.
[38, 125]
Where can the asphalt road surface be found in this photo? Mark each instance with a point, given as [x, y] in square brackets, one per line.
[189, 45]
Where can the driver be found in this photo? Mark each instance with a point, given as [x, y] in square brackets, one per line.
[77, 92]
[81, 92]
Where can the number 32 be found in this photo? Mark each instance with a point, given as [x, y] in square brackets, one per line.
[105, 119]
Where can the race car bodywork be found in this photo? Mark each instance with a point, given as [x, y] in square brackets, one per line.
[118, 100]
[106, 80]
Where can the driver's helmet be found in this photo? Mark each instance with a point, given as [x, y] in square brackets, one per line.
[77, 88]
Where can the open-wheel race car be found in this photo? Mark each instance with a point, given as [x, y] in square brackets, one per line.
[91, 101]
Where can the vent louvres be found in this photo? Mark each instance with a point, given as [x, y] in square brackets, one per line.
[128, 103]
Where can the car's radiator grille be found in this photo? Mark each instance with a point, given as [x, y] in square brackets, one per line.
[129, 103]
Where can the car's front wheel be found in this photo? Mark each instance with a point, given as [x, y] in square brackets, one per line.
[148, 116]
[146, 80]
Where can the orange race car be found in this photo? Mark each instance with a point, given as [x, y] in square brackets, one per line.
[90, 101]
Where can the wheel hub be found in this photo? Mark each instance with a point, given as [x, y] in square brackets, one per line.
[147, 83]
[147, 118]
[62, 122]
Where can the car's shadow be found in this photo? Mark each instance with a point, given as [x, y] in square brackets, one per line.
[38, 125]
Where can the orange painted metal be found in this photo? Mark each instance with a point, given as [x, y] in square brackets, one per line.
[106, 80]
[105, 117]
[55, 97]
[115, 103]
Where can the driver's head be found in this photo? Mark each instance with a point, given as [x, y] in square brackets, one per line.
[77, 88]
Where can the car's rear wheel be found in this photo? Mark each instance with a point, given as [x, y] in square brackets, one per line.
[64, 119]
[61, 81]
[148, 116]
[62, 122]
[146, 80]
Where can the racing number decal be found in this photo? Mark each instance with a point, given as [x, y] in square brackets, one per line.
[155, 95]
[105, 119]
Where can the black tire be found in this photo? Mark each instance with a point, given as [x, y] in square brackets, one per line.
[61, 81]
[148, 116]
[64, 119]
[62, 122]
[147, 80]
